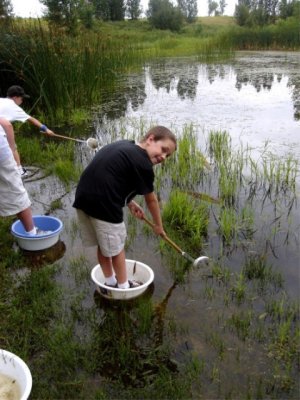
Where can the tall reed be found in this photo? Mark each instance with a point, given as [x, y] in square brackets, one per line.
[61, 72]
[285, 34]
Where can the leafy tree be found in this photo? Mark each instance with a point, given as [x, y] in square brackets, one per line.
[212, 7]
[113, 10]
[87, 13]
[262, 12]
[222, 6]
[116, 10]
[64, 13]
[189, 9]
[133, 9]
[163, 15]
[6, 9]
[284, 9]
[101, 9]
[241, 14]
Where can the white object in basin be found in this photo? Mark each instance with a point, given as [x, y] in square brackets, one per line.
[136, 270]
[15, 368]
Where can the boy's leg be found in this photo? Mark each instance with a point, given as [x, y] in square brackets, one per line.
[105, 263]
[25, 217]
[119, 263]
[115, 264]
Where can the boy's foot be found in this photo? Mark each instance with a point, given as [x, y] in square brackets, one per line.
[134, 284]
[23, 172]
[113, 286]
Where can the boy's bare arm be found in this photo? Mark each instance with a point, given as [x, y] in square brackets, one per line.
[10, 135]
[39, 125]
[153, 207]
[9, 131]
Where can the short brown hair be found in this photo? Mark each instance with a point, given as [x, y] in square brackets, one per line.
[160, 132]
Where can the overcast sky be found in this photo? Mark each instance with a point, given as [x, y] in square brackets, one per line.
[33, 8]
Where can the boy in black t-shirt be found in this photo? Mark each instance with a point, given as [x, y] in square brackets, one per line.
[118, 172]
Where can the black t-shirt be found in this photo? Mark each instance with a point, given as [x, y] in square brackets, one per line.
[117, 173]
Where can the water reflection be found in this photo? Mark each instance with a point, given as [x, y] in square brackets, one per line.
[44, 257]
[256, 95]
[129, 340]
[187, 84]
[258, 82]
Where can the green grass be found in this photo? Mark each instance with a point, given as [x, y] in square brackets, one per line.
[54, 157]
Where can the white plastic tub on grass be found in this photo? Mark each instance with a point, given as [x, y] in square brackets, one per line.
[136, 270]
[38, 242]
[15, 377]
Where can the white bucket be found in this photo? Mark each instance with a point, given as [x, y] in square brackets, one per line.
[136, 270]
[13, 367]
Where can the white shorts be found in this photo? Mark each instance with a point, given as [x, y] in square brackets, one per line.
[13, 195]
[109, 237]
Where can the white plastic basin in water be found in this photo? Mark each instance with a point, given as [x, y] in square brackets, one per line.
[135, 270]
[38, 242]
[13, 367]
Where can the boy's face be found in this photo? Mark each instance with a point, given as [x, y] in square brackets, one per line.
[18, 100]
[159, 150]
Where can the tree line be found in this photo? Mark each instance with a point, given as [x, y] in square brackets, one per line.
[162, 14]
[264, 12]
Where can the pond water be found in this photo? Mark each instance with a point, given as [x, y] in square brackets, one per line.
[256, 99]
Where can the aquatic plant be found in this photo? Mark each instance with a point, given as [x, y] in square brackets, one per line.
[80, 269]
[228, 224]
[241, 323]
[238, 290]
[218, 343]
[221, 273]
[188, 165]
[282, 309]
[187, 217]
[257, 268]
[279, 174]
[219, 146]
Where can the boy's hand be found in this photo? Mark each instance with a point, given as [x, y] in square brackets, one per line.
[49, 132]
[159, 230]
[136, 210]
[44, 128]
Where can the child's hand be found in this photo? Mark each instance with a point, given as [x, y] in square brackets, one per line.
[136, 210]
[49, 132]
[159, 230]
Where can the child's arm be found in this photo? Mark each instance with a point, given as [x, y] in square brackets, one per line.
[9, 130]
[43, 128]
[153, 206]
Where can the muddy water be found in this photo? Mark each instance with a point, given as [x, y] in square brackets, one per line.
[256, 99]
